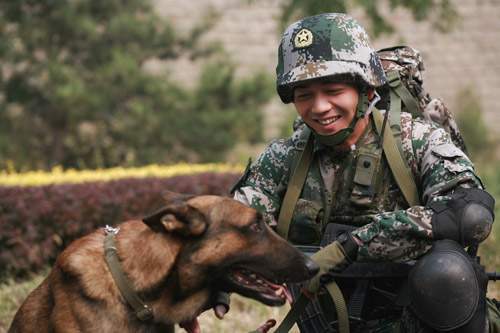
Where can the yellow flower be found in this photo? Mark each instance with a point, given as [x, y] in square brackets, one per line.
[59, 176]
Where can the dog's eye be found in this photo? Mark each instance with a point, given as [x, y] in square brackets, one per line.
[256, 226]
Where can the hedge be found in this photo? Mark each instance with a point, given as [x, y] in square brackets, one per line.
[37, 222]
[58, 175]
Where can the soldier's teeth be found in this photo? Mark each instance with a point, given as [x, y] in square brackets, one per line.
[328, 121]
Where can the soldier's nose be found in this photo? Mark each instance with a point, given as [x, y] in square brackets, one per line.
[320, 105]
[312, 267]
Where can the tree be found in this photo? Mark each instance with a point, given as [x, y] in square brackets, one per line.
[441, 13]
[76, 94]
[471, 124]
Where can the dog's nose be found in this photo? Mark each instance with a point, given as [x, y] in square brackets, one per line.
[312, 267]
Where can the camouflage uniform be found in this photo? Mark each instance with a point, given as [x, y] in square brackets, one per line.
[388, 229]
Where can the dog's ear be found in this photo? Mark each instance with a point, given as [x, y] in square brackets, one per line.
[178, 217]
[170, 196]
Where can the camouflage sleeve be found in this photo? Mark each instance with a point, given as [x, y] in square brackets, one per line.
[440, 167]
[265, 184]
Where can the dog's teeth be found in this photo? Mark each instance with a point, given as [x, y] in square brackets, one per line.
[260, 281]
[253, 276]
[288, 295]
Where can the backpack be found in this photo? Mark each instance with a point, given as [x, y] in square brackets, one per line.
[404, 66]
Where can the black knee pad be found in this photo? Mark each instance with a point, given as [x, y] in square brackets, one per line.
[447, 290]
[467, 218]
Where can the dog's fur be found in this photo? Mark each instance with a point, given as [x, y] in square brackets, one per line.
[176, 259]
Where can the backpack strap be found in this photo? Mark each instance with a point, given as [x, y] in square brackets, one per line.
[295, 187]
[399, 89]
[400, 170]
[395, 113]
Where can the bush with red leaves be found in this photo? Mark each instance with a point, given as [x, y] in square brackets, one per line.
[37, 223]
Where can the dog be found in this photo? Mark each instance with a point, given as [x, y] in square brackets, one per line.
[176, 259]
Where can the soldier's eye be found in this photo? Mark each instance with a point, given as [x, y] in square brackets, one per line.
[333, 91]
[303, 95]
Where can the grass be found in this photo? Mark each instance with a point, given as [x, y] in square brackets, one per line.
[245, 314]
[12, 294]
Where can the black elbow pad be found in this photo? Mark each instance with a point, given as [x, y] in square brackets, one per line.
[467, 218]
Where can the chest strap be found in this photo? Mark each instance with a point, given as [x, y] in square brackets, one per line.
[295, 185]
[141, 310]
[400, 171]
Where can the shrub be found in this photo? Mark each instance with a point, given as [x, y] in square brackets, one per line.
[472, 125]
[59, 175]
[38, 222]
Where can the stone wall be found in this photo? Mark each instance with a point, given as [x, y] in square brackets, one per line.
[466, 57]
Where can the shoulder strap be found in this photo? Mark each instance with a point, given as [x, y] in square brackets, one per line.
[404, 95]
[395, 113]
[294, 188]
[400, 170]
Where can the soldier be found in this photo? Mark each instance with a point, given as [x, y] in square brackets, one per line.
[349, 193]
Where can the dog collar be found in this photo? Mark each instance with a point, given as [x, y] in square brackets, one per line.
[142, 310]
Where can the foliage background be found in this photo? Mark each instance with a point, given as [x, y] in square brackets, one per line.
[75, 92]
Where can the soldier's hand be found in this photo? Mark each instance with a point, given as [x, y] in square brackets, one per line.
[331, 257]
[265, 327]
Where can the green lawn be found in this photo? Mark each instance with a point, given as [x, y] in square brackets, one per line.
[244, 316]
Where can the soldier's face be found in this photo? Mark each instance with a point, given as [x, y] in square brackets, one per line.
[327, 107]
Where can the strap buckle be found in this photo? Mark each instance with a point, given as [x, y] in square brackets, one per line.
[145, 313]
[109, 230]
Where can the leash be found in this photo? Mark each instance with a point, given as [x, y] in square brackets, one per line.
[300, 305]
[141, 310]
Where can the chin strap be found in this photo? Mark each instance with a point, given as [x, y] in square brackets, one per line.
[337, 138]
[364, 107]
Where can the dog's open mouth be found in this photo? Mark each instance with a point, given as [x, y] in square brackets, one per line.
[256, 286]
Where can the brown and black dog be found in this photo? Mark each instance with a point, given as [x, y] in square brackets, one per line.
[176, 260]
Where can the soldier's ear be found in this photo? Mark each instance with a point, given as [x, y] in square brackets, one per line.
[178, 217]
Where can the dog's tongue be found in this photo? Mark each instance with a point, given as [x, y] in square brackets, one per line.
[191, 326]
[282, 290]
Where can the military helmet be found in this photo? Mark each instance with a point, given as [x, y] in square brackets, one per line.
[325, 45]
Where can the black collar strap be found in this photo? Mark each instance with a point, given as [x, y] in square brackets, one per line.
[142, 311]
